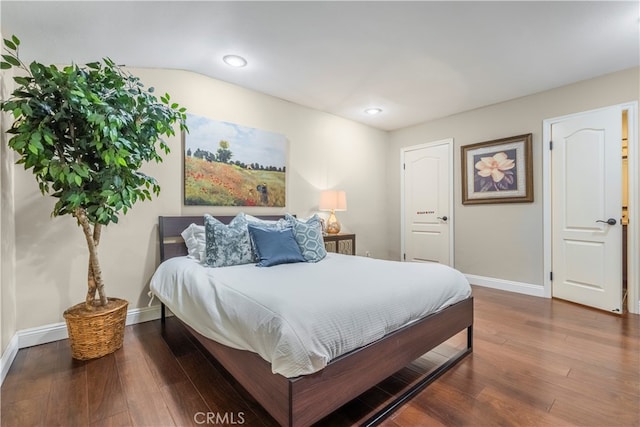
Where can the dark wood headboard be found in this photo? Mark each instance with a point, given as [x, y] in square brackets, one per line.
[170, 227]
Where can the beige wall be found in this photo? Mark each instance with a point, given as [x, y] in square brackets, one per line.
[499, 241]
[503, 241]
[7, 235]
[324, 152]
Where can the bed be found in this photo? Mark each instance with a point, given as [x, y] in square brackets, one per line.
[303, 395]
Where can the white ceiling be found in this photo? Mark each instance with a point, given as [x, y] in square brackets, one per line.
[416, 60]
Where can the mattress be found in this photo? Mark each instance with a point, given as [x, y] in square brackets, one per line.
[299, 317]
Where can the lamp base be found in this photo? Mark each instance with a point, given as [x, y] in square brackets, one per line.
[333, 225]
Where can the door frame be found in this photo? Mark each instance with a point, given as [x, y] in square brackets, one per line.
[451, 219]
[633, 264]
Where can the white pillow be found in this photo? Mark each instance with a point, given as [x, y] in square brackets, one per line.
[277, 224]
[194, 238]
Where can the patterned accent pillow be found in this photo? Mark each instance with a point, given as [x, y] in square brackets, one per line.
[308, 234]
[227, 244]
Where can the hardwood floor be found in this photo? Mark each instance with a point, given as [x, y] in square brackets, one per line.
[535, 362]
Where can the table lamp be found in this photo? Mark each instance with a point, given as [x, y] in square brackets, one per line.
[333, 200]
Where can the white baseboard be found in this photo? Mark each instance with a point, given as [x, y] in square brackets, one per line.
[506, 285]
[144, 314]
[58, 331]
[7, 357]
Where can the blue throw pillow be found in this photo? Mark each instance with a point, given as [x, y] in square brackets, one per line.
[275, 246]
[264, 223]
[308, 234]
[227, 244]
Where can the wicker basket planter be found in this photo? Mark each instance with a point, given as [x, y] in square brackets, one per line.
[94, 334]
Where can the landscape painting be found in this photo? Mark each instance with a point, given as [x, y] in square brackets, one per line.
[226, 164]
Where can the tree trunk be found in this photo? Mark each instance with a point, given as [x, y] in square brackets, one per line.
[94, 280]
[91, 291]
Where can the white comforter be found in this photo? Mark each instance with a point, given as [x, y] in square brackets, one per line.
[300, 316]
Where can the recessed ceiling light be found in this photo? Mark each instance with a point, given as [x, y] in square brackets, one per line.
[373, 111]
[235, 61]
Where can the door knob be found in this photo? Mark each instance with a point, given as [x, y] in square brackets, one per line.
[444, 218]
[610, 221]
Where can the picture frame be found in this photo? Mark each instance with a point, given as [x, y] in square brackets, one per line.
[228, 164]
[498, 171]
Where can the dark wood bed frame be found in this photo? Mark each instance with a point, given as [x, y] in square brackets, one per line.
[304, 400]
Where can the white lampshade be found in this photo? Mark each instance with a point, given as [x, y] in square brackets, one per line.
[333, 200]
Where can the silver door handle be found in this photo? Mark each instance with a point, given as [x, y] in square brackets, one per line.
[610, 221]
[444, 218]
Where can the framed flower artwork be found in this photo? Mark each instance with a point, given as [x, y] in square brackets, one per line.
[498, 171]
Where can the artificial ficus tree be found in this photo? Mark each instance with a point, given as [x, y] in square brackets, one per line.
[85, 132]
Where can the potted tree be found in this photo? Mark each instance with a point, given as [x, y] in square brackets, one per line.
[85, 132]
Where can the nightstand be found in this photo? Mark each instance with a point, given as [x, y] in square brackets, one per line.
[340, 243]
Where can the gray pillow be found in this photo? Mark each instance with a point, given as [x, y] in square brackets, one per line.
[308, 235]
[227, 244]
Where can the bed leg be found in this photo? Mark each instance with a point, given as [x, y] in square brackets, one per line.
[162, 316]
[470, 338]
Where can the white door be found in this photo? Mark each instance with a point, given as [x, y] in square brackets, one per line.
[586, 176]
[427, 203]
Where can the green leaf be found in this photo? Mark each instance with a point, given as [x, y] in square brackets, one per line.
[36, 69]
[96, 118]
[34, 143]
[26, 109]
[11, 45]
[16, 40]
[24, 81]
[77, 93]
[78, 180]
[4, 65]
[48, 138]
[74, 198]
[11, 60]
[80, 170]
